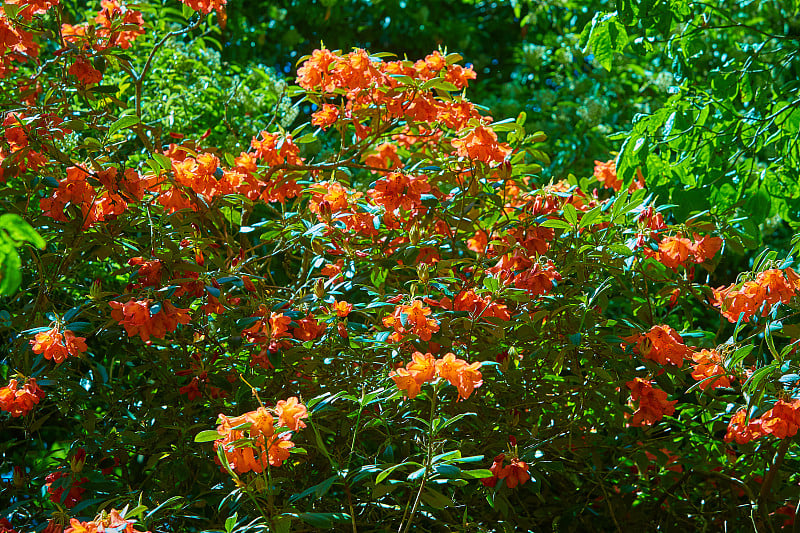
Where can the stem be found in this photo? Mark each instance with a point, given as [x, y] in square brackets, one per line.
[428, 460]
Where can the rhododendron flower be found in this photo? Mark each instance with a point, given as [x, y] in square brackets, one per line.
[708, 363]
[136, 318]
[606, 173]
[661, 344]
[411, 319]
[291, 413]
[265, 445]
[19, 401]
[308, 329]
[85, 72]
[205, 6]
[769, 288]
[56, 346]
[743, 433]
[653, 404]
[342, 309]
[495, 469]
[515, 473]
[406, 382]
[111, 522]
[75, 493]
[462, 375]
[481, 144]
[325, 116]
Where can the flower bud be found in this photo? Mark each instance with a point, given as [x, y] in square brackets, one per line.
[504, 170]
[325, 211]
[319, 289]
[78, 460]
[96, 289]
[422, 272]
[415, 234]
[18, 477]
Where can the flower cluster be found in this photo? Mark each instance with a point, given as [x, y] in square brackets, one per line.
[250, 441]
[95, 203]
[675, 251]
[58, 346]
[111, 522]
[115, 25]
[205, 6]
[757, 296]
[661, 344]
[20, 400]
[606, 173]
[411, 320]
[653, 404]
[141, 318]
[782, 421]
[515, 473]
[424, 367]
[707, 364]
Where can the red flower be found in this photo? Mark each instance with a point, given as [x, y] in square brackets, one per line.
[85, 72]
[515, 473]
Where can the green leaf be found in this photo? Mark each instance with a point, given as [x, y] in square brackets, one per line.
[207, 436]
[571, 214]
[325, 520]
[385, 473]
[607, 36]
[121, 124]
[10, 266]
[20, 231]
[476, 474]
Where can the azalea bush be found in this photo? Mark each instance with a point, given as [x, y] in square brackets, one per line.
[384, 318]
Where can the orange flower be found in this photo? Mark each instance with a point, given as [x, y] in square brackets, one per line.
[674, 251]
[411, 319]
[481, 144]
[663, 345]
[291, 413]
[308, 329]
[264, 446]
[705, 248]
[19, 401]
[333, 270]
[606, 173]
[263, 423]
[769, 288]
[342, 308]
[743, 433]
[462, 375]
[105, 523]
[85, 72]
[477, 243]
[136, 318]
[406, 382]
[205, 6]
[708, 363]
[653, 404]
[422, 367]
[325, 116]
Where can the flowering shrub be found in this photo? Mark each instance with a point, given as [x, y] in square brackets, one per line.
[419, 248]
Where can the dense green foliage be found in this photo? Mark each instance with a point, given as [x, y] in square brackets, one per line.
[188, 163]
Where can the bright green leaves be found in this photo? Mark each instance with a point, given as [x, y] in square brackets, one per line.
[14, 233]
[606, 36]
